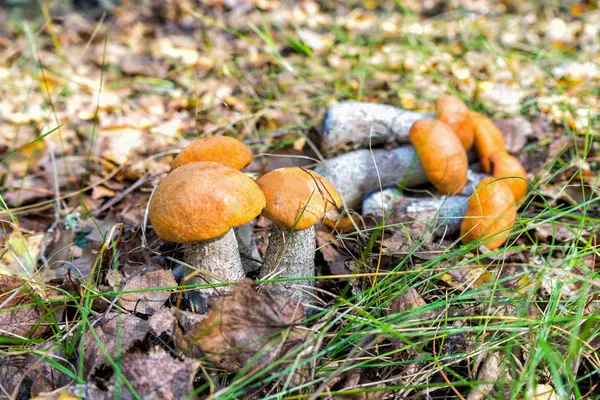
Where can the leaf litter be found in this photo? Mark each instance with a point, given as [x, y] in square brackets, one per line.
[132, 90]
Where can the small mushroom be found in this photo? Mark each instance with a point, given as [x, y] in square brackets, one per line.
[221, 149]
[488, 139]
[454, 113]
[506, 166]
[198, 204]
[442, 155]
[296, 199]
[490, 215]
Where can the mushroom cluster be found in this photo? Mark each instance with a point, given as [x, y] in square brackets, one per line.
[440, 150]
[491, 210]
[205, 198]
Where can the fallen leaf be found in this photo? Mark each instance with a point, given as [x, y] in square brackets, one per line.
[19, 314]
[114, 331]
[163, 321]
[249, 326]
[146, 302]
[411, 300]
[21, 254]
[489, 373]
[156, 375]
[542, 391]
[516, 131]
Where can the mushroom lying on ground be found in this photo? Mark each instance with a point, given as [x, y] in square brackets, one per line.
[198, 204]
[454, 113]
[442, 155]
[221, 149]
[236, 154]
[506, 166]
[354, 174]
[446, 212]
[351, 125]
[296, 199]
[490, 214]
[488, 140]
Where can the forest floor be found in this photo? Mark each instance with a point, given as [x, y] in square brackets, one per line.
[94, 106]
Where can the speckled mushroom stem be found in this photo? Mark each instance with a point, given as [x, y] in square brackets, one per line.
[221, 258]
[290, 256]
[446, 212]
[251, 258]
[355, 174]
[352, 125]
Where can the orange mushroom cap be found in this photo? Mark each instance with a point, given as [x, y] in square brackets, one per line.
[443, 157]
[297, 194]
[221, 149]
[454, 113]
[488, 139]
[203, 200]
[490, 215]
[341, 223]
[506, 166]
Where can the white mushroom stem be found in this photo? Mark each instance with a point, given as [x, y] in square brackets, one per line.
[446, 213]
[352, 125]
[290, 255]
[214, 261]
[359, 172]
[251, 258]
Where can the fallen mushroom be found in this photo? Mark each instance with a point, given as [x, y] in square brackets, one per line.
[352, 125]
[198, 204]
[454, 113]
[488, 139]
[359, 172]
[447, 211]
[506, 166]
[490, 214]
[296, 199]
[442, 155]
[236, 154]
[221, 149]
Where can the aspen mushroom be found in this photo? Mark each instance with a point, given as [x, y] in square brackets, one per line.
[506, 166]
[443, 157]
[221, 149]
[197, 204]
[454, 113]
[488, 139]
[235, 154]
[491, 213]
[296, 199]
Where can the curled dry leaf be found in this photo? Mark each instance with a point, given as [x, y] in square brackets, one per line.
[488, 373]
[247, 325]
[146, 302]
[19, 314]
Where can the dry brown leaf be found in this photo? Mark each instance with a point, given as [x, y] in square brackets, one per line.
[247, 325]
[410, 300]
[19, 314]
[145, 302]
[163, 321]
[516, 131]
[156, 375]
[114, 331]
[488, 373]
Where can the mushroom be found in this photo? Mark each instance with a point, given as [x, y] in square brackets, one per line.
[454, 113]
[488, 139]
[490, 214]
[221, 149]
[506, 166]
[353, 124]
[296, 199]
[236, 154]
[197, 204]
[442, 155]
